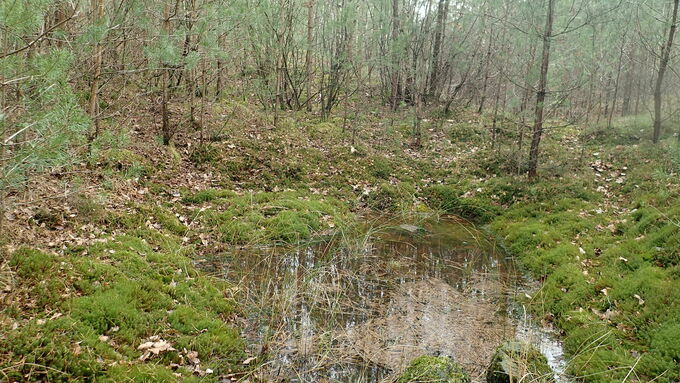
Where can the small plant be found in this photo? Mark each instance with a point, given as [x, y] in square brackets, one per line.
[381, 168]
[433, 369]
[204, 154]
[516, 362]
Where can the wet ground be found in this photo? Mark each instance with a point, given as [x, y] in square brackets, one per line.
[360, 309]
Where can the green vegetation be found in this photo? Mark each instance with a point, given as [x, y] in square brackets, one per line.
[600, 233]
[282, 217]
[139, 137]
[87, 314]
[516, 362]
[433, 369]
[609, 267]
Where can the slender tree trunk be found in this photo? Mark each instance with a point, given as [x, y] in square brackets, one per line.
[616, 83]
[606, 97]
[308, 56]
[487, 69]
[527, 82]
[494, 125]
[218, 84]
[97, 16]
[663, 65]
[394, 99]
[442, 13]
[541, 92]
[628, 89]
[166, 130]
[204, 94]
[417, 135]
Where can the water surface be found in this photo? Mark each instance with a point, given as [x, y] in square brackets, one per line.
[360, 309]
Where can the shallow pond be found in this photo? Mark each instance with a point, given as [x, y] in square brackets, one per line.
[360, 309]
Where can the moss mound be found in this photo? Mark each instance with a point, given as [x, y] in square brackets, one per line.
[452, 200]
[433, 369]
[518, 362]
[269, 218]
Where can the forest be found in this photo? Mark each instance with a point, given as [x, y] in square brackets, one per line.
[340, 191]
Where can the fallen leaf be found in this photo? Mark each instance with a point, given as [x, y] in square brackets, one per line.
[640, 300]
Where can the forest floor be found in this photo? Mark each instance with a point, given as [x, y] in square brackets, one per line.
[97, 278]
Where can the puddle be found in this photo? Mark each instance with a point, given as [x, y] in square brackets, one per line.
[361, 311]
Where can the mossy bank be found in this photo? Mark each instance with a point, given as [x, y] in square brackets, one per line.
[127, 308]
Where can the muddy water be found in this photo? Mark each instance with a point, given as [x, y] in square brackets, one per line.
[359, 310]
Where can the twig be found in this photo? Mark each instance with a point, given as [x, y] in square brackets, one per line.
[39, 38]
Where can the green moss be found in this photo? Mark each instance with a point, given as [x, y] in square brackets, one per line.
[111, 296]
[33, 264]
[146, 373]
[390, 198]
[292, 226]
[450, 199]
[566, 289]
[58, 351]
[541, 262]
[274, 217]
[204, 154]
[116, 307]
[242, 231]
[617, 294]
[666, 340]
[168, 221]
[381, 168]
[220, 342]
[432, 369]
[207, 195]
[516, 362]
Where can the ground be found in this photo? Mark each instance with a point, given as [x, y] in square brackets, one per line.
[97, 278]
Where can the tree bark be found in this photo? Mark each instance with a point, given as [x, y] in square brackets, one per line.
[616, 83]
[93, 110]
[663, 65]
[166, 130]
[541, 92]
[442, 13]
[487, 69]
[395, 56]
[308, 55]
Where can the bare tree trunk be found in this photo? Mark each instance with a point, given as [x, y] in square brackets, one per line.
[218, 85]
[663, 65]
[417, 134]
[494, 125]
[93, 110]
[204, 94]
[628, 89]
[442, 13]
[616, 83]
[541, 92]
[487, 69]
[395, 55]
[166, 130]
[308, 56]
[527, 84]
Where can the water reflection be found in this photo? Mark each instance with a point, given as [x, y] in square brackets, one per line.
[357, 312]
